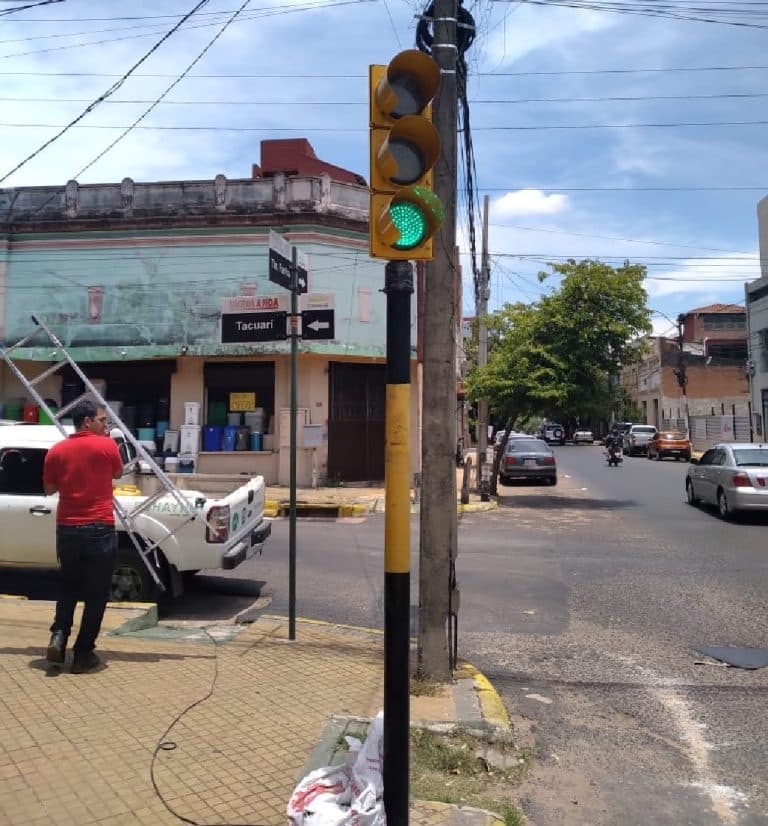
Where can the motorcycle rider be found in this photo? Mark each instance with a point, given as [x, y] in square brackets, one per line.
[612, 444]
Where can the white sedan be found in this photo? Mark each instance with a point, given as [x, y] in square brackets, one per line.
[583, 437]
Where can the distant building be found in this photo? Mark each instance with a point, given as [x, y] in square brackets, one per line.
[756, 297]
[702, 375]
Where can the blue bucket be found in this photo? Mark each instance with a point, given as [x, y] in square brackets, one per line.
[212, 434]
[229, 440]
[256, 441]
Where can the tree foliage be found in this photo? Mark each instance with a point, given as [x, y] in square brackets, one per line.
[555, 356]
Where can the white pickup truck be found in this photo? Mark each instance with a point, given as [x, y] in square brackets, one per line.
[223, 533]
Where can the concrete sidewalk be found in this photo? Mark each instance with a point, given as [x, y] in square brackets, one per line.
[179, 724]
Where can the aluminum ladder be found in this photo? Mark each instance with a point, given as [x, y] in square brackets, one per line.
[145, 547]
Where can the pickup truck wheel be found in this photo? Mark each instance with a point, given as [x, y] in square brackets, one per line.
[131, 581]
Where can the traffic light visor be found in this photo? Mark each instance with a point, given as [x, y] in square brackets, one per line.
[406, 153]
[409, 83]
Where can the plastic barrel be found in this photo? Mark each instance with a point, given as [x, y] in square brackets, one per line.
[43, 417]
[217, 413]
[241, 441]
[146, 434]
[13, 410]
[212, 436]
[229, 440]
[256, 441]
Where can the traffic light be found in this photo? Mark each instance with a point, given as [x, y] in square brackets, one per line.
[404, 146]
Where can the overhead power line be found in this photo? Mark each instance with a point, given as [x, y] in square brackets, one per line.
[517, 128]
[112, 89]
[347, 76]
[361, 102]
[6, 12]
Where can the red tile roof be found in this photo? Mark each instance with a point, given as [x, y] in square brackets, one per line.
[718, 308]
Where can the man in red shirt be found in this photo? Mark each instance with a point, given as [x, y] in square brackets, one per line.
[81, 469]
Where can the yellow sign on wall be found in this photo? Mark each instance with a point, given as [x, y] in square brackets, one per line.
[239, 402]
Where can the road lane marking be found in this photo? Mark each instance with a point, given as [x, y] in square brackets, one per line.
[723, 799]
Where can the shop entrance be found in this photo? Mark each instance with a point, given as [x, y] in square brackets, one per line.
[356, 422]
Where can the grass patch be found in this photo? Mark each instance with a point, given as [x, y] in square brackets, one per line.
[421, 686]
[469, 770]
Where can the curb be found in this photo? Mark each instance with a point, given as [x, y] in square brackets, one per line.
[452, 814]
[274, 508]
[491, 706]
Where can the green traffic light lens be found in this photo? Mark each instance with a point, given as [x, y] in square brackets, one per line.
[410, 222]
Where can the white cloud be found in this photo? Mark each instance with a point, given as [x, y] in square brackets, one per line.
[529, 202]
[524, 33]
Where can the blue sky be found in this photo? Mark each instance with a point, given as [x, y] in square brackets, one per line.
[555, 192]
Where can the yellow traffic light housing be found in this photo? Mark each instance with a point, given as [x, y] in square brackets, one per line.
[404, 146]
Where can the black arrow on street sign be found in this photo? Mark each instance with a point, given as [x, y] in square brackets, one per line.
[317, 324]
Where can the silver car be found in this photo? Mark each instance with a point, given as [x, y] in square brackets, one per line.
[637, 437]
[732, 476]
[528, 459]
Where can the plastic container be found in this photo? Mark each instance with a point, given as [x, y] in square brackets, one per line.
[43, 417]
[217, 413]
[241, 440]
[150, 447]
[191, 412]
[14, 411]
[161, 427]
[186, 465]
[70, 390]
[255, 419]
[230, 437]
[234, 418]
[146, 434]
[212, 436]
[171, 441]
[256, 441]
[189, 439]
[31, 413]
[172, 464]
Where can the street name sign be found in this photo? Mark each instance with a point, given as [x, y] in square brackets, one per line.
[280, 258]
[237, 328]
[317, 325]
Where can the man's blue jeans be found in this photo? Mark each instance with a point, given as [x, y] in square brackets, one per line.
[86, 555]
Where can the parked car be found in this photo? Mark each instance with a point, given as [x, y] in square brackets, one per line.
[733, 476]
[669, 443]
[583, 436]
[553, 433]
[637, 437]
[618, 429]
[528, 458]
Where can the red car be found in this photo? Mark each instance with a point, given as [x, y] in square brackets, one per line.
[669, 443]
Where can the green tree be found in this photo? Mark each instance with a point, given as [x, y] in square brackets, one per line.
[554, 356]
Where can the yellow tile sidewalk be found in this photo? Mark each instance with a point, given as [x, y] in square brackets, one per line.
[213, 733]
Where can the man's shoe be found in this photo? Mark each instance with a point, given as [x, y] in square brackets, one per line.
[85, 662]
[57, 647]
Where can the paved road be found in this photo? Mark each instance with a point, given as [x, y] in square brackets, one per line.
[581, 603]
[626, 577]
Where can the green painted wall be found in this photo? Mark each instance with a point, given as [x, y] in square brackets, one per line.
[157, 298]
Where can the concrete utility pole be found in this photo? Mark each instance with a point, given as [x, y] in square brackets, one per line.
[481, 310]
[441, 315]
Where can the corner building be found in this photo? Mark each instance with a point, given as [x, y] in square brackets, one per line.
[144, 283]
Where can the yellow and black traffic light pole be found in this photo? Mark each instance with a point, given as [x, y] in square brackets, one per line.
[404, 215]
[398, 285]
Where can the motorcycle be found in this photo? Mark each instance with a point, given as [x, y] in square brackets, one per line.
[614, 456]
